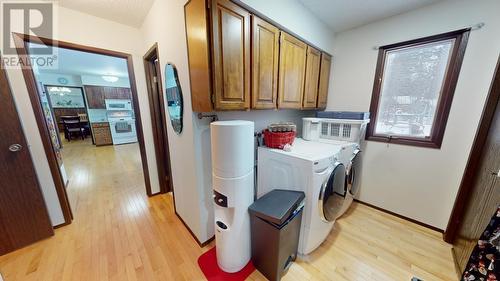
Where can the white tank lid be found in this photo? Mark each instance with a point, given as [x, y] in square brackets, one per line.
[232, 123]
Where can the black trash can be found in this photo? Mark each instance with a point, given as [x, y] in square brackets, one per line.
[275, 226]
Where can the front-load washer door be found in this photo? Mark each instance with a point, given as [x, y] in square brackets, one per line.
[332, 194]
[353, 170]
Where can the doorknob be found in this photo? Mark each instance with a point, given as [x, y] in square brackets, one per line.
[15, 147]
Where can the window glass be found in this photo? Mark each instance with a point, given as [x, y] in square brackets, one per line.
[410, 89]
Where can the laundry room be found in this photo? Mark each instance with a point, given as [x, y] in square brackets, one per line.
[253, 140]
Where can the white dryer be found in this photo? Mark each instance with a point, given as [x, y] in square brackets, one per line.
[337, 132]
[318, 169]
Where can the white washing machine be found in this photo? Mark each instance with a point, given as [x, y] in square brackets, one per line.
[318, 169]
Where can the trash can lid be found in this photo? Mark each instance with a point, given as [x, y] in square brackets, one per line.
[277, 206]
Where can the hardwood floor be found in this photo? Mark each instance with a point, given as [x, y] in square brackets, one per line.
[120, 234]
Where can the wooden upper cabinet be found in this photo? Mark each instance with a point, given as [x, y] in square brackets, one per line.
[239, 61]
[117, 93]
[265, 58]
[95, 97]
[324, 79]
[291, 71]
[312, 78]
[231, 55]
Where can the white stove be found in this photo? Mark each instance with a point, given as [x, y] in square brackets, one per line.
[122, 125]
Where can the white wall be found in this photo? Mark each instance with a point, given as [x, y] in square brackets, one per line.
[165, 24]
[79, 28]
[190, 151]
[52, 79]
[419, 183]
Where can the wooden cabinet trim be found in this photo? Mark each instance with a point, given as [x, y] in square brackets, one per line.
[198, 44]
[264, 97]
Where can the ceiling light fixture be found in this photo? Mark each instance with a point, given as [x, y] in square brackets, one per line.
[109, 78]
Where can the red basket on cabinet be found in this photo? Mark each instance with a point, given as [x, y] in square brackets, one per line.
[278, 139]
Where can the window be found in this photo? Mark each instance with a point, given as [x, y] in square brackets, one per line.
[413, 89]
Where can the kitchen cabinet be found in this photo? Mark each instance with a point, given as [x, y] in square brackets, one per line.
[265, 59]
[324, 79]
[101, 133]
[231, 55]
[292, 70]
[312, 78]
[117, 93]
[96, 95]
[239, 60]
[219, 66]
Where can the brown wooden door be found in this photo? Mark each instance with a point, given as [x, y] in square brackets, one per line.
[231, 55]
[23, 215]
[95, 97]
[324, 80]
[265, 58]
[291, 71]
[312, 78]
[485, 196]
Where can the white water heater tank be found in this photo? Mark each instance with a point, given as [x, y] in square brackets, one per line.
[233, 186]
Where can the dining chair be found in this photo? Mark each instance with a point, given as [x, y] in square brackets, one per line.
[72, 126]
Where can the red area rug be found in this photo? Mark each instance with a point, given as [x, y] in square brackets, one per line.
[208, 264]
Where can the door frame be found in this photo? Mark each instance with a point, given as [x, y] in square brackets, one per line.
[21, 41]
[468, 179]
[158, 120]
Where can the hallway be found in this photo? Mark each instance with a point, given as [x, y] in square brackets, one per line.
[118, 233]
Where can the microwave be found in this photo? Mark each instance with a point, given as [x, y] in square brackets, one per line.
[118, 104]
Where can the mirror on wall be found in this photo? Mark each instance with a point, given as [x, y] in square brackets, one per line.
[173, 96]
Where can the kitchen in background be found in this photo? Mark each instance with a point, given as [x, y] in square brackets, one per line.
[94, 88]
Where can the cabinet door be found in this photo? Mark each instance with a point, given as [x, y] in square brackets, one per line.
[291, 71]
[265, 56]
[231, 55]
[324, 79]
[123, 93]
[110, 92]
[95, 97]
[312, 77]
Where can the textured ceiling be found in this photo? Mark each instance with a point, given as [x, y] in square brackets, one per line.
[129, 12]
[341, 15]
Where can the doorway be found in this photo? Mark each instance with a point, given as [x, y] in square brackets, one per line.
[479, 193]
[83, 132]
[158, 117]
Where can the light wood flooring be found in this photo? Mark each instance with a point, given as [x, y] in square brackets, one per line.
[120, 234]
